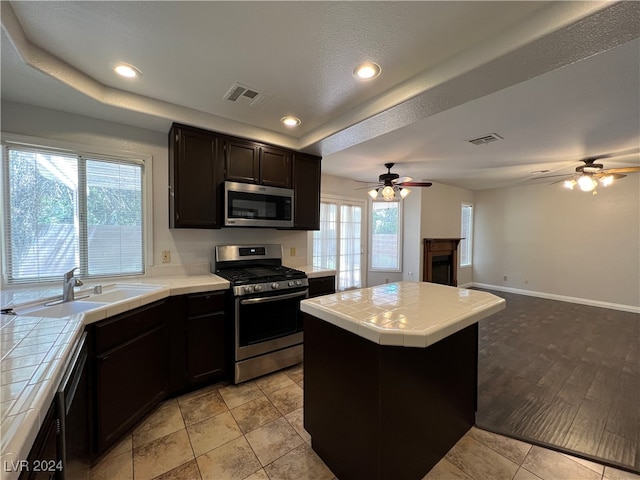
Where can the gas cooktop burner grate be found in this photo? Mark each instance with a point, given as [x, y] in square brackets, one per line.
[260, 274]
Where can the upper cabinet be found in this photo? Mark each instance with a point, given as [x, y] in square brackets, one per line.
[275, 167]
[195, 173]
[306, 187]
[201, 161]
[251, 162]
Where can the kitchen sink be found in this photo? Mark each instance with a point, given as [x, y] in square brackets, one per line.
[58, 311]
[118, 292]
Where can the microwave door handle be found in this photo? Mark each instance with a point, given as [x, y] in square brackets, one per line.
[275, 298]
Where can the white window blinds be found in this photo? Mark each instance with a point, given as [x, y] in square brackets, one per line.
[466, 232]
[64, 210]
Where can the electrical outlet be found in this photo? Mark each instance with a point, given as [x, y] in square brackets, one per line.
[526, 282]
[166, 256]
[504, 278]
[293, 251]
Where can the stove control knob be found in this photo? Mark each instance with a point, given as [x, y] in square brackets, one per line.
[275, 285]
[248, 289]
[298, 282]
[292, 283]
[257, 288]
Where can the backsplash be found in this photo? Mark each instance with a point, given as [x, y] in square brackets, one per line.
[191, 248]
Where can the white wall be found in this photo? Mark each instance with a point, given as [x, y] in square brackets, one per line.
[549, 240]
[187, 246]
[433, 212]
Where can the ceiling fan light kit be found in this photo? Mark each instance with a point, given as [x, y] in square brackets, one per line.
[393, 188]
[591, 174]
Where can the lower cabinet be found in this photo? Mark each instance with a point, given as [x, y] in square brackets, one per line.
[130, 370]
[322, 286]
[199, 334]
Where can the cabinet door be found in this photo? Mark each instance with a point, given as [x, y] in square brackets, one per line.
[206, 359]
[306, 185]
[322, 286]
[194, 177]
[131, 379]
[242, 161]
[275, 167]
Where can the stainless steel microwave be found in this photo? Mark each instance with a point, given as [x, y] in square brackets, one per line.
[250, 205]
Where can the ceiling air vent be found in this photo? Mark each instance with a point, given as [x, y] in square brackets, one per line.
[252, 96]
[483, 140]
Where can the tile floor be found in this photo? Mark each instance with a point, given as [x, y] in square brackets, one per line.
[254, 431]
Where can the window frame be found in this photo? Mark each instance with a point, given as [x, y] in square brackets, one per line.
[400, 232]
[466, 242]
[341, 201]
[90, 152]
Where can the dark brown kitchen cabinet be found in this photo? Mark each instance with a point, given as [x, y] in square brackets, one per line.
[130, 370]
[199, 333]
[195, 175]
[201, 161]
[306, 186]
[206, 335]
[250, 162]
[242, 161]
[322, 286]
[275, 167]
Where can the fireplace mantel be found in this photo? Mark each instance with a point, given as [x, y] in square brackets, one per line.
[441, 261]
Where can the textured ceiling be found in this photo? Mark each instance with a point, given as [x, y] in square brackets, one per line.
[558, 80]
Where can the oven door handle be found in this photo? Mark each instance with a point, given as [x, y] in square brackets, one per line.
[274, 298]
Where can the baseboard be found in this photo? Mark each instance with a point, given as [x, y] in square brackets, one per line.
[562, 298]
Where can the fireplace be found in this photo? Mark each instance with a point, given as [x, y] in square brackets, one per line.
[441, 261]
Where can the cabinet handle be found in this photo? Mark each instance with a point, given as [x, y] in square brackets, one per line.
[104, 359]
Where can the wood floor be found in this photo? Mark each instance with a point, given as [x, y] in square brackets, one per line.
[562, 375]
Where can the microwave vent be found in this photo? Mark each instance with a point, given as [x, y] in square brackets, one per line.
[250, 95]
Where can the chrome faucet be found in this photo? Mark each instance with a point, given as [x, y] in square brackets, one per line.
[68, 284]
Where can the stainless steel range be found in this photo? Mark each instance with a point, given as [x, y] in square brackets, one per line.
[266, 307]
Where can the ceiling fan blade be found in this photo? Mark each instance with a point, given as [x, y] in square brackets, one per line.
[616, 176]
[621, 170]
[415, 184]
[368, 187]
[400, 180]
[559, 181]
[569, 175]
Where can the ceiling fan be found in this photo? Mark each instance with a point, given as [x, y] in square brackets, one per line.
[390, 185]
[589, 175]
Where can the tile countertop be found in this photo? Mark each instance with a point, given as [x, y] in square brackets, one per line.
[35, 350]
[316, 272]
[410, 314]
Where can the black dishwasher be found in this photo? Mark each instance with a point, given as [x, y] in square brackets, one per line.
[73, 403]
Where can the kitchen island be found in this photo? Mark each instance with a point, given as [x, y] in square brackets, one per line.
[391, 376]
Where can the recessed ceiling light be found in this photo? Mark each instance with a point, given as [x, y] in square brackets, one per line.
[367, 71]
[126, 70]
[291, 121]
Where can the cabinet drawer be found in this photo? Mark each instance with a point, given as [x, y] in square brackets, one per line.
[322, 286]
[208, 302]
[121, 328]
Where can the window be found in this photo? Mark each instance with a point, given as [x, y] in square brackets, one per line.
[386, 238]
[466, 232]
[64, 210]
[338, 243]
